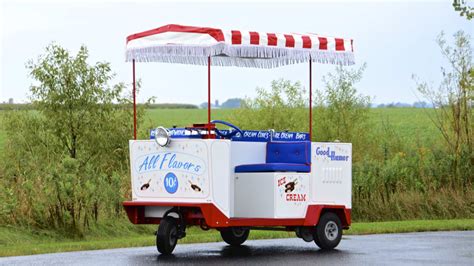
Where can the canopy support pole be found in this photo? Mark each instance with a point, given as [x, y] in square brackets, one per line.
[310, 99]
[208, 91]
[134, 92]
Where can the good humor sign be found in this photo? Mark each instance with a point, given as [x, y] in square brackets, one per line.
[331, 154]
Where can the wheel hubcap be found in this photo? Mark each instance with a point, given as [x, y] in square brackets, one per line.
[238, 232]
[331, 230]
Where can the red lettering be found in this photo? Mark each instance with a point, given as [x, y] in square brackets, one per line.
[295, 197]
[282, 181]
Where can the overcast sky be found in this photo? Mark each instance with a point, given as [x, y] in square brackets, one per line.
[395, 39]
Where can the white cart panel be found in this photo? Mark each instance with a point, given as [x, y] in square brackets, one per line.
[271, 195]
[331, 171]
[179, 171]
[292, 195]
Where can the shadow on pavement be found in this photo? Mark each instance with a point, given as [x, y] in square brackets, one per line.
[229, 254]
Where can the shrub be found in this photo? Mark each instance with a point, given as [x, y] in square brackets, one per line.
[66, 164]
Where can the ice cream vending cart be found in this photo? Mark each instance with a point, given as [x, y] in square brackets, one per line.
[238, 180]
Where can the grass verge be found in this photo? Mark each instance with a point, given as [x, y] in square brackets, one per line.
[16, 241]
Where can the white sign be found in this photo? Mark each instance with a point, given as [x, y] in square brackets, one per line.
[176, 171]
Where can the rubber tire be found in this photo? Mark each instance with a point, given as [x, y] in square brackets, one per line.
[320, 236]
[166, 237]
[233, 238]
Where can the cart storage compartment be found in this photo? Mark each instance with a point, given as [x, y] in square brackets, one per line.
[271, 195]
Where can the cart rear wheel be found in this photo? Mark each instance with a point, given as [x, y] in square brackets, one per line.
[328, 232]
[235, 236]
[167, 235]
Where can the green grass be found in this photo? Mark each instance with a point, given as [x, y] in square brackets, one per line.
[15, 241]
[411, 124]
[2, 133]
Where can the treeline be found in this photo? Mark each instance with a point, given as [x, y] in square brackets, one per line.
[15, 106]
[29, 106]
[171, 106]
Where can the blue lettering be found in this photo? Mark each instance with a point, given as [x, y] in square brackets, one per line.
[168, 161]
[153, 161]
[165, 158]
[331, 154]
[144, 164]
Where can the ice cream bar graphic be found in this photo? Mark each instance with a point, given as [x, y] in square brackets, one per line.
[146, 185]
[289, 187]
[195, 187]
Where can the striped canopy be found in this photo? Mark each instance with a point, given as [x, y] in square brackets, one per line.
[193, 45]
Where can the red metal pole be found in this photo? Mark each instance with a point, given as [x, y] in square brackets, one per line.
[134, 102]
[310, 99]
[208, 90]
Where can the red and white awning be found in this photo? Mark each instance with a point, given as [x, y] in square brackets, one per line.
[193, 45]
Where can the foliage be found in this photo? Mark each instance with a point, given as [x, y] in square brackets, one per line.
[280, 108]
[453, 100]
[341, 113]
[66, 163]
[463, 9]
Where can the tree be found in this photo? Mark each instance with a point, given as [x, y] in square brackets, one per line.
[232, 103]
[463, 9]
[283, 107]
[453, 101]
[341, 112]
[68, 162]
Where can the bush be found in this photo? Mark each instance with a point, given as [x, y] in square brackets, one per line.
[280, 108]
[66, 164]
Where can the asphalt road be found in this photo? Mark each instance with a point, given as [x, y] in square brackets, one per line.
[443, 248]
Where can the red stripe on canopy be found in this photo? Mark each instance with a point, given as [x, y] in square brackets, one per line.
[339, 44]
[290, 40]
[323, 43]
[272, 39]
[254, 37]
[236, 37]
[306, 42]
[215, 33]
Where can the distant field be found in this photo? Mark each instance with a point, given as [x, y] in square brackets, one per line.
[411, 124]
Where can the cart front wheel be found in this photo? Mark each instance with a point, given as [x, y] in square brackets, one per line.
[328, 232]
[235, 236]
[167, 235]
